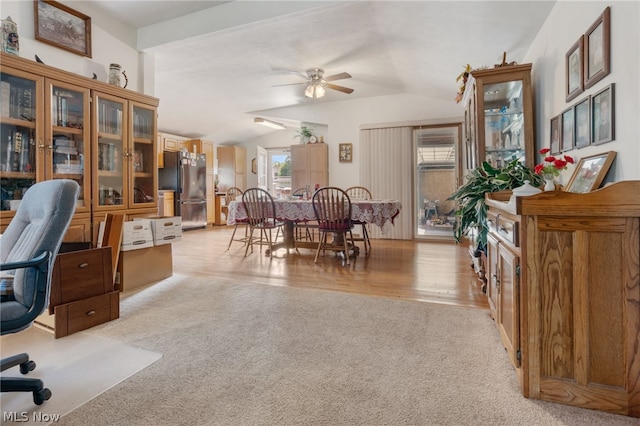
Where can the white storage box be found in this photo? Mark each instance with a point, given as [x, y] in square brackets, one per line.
[136, 234]
[166, 230]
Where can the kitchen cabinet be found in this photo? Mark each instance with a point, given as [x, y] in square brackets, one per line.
[309, 165]
[232, 166]
[499, 116]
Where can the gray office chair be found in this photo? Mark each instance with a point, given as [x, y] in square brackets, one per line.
[28, 249]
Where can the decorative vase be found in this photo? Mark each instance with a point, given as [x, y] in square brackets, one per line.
[549, 184]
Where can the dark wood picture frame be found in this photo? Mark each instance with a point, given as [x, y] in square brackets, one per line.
[597, 48]
[554, 136]
[582, 116]
[345, 152]
[603, 115]
[567, 133]
[574, 70]
[590, 172]
[63, 27]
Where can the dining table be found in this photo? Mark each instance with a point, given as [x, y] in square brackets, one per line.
[294, 210]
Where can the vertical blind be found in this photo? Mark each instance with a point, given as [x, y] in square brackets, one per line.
[386, 168]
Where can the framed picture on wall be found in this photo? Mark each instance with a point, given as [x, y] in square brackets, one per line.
[63, 27]
[555, 135]
[590, 172]
[568, 132]
[603, 115]
[597, 49]
[345, 153]
[583, 123]
[574, 70]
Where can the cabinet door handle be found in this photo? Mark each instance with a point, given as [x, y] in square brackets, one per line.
[90, 313]
[83, 265]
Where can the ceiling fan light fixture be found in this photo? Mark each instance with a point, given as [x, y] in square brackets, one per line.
[269, 123]
[314, 90]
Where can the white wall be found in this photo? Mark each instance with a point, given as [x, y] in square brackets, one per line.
[567, 21]
[345, 118]
[111, 43]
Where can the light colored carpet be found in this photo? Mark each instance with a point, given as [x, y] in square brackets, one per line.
[75, 368]
[249, 354]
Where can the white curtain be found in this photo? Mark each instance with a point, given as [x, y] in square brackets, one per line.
[386, 168]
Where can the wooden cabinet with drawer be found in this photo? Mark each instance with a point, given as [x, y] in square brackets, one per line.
[82, 292]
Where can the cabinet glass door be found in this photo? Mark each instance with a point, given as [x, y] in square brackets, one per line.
[110, 151]
[19, 137]
[143, 155]
[67, 150]
[504, 123]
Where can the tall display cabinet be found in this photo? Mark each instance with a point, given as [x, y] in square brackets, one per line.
[309, 165]
[499, 116]
[58, 125]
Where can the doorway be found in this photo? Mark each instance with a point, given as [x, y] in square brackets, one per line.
[279, 172]
[436, 172]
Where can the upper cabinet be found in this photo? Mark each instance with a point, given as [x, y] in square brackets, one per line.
[309, 165]
[499, 116]
[232, 166]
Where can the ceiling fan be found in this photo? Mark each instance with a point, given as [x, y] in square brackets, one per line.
[317, 83]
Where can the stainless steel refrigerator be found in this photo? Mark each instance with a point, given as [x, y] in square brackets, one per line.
[186, 174]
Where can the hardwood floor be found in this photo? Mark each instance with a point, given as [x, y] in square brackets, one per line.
[412, 270]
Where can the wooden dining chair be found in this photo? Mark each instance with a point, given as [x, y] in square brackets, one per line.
[332, 207]
[304, 231]
[231, 195]
[261, 214]
[361, 193]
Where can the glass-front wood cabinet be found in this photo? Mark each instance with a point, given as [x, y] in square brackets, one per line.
[499, 116]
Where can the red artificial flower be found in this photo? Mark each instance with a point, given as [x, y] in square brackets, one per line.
[550, 159]
[569, 159]
[559, 164]
[544, 151]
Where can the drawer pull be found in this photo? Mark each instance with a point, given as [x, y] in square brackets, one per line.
[83, 265]
[90, 313]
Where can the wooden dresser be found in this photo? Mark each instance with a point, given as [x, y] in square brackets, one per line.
[82, 292]
[572, 296]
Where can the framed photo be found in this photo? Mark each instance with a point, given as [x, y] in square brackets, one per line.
[597, 49]
[63, 27]
[574, 65]
[590, 172]
[583, 122]
[603, 115]
[555, 135]
[138, 165]
[567, 140]
[254, 166]
[345, 153]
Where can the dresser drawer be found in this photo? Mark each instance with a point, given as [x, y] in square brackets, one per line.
[508, 229]
[81, 274]
[86, 313]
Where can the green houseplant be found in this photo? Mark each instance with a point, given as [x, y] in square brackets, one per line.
[471, 210]
[304, 133]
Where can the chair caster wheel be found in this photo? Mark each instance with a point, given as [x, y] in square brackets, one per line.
[41, 396]
[25, 367]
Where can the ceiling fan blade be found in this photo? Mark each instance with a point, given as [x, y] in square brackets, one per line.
[339, 88]
[288, 84]
[335, 77]
[290, 71]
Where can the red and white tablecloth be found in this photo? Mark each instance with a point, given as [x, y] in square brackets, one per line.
[379, 212]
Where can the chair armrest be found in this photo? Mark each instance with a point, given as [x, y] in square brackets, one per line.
[37, 261]
[41, 264]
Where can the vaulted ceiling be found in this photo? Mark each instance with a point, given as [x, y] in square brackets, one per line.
[219, 64]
